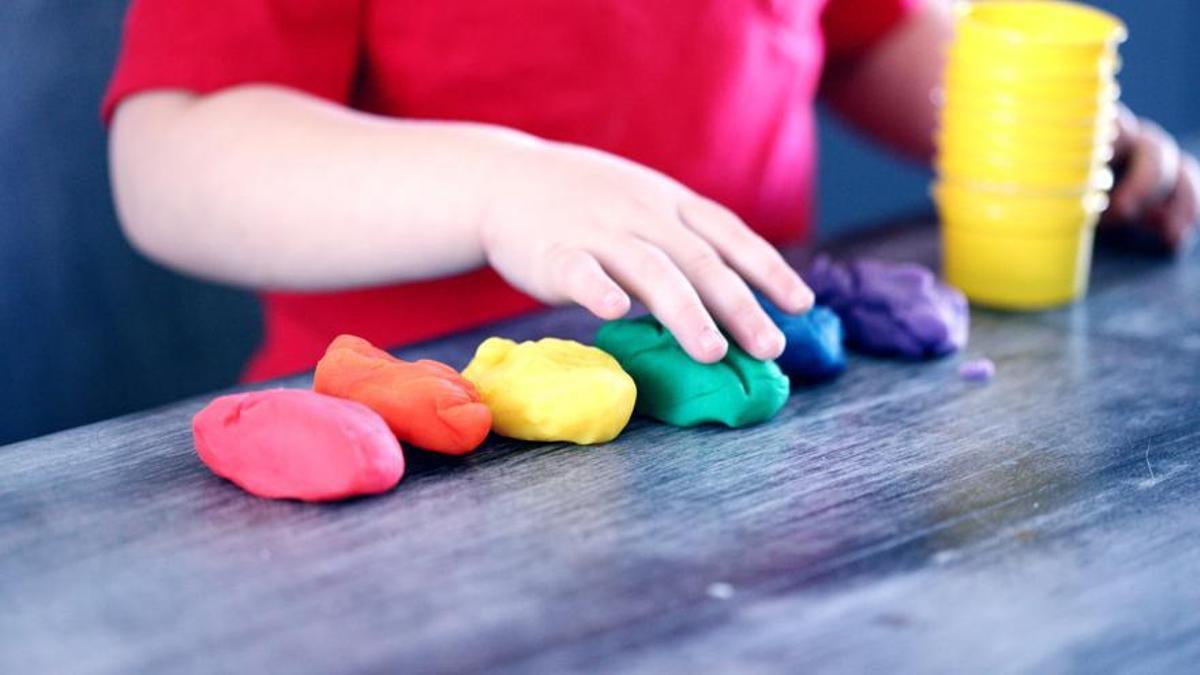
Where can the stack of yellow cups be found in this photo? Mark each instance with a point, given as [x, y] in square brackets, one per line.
[1026, 134]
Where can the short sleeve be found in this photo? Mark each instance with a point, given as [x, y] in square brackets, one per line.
[851, 27]
[207, 45]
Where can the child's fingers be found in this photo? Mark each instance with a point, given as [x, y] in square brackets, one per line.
[1184, 208]
[724, 293]
[578, 275]
[653, 277]
[1127, 131]
[752, 256]
[1153, 167]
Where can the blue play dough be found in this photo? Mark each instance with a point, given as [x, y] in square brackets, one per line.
[815, 348]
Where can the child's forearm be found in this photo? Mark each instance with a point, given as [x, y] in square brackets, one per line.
[266, 187]
[889, 91]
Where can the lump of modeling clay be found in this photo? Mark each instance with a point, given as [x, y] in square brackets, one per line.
[977, 370]
[552, 390]
[426, 403]
[891, 309]
[297, 444]
[737, 391]
[814, 350]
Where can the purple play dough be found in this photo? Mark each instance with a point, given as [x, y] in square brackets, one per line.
[977, 370]
[891, 309]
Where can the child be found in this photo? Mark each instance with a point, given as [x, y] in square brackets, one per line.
[402, 169]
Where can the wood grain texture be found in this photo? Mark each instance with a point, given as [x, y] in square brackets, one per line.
[896, 519]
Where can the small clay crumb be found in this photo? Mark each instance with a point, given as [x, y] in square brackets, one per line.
[946, 557]
[720, 591]
[977, 370]
[1027, 535]
[895, 620]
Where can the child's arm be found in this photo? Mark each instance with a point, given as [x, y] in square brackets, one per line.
[1160, 188]
[268, 187]
[888, 92]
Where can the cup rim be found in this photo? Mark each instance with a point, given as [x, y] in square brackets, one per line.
[1108, 92]
[1031, 108]
[1001, 157]
[1014, 73]
[1098, 196]
[983, 17]
[1104, 132]
[1075, 222]
[1094, 54]
[995, 115]
[1101, 183]
[1089, 222]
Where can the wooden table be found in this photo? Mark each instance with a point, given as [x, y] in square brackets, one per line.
[899, 518]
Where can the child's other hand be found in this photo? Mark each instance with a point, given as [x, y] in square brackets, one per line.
[1160, 186]
[569, 223]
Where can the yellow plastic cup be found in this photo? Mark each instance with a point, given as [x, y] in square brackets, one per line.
[1017, 250]
[1036, 42]
[988, 151]
[1096, 88]
[1042, 177]
[997, 66]
[976, 208]
[1032, 59]
[1038, 23]
[984, 110]
[1036, 94]
[998, 129]
[1057, 58]
[1082, 109]
[1017, 271]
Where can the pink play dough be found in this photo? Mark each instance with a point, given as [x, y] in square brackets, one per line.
[298, 444]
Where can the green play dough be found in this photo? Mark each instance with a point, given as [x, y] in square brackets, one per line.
[671, 387]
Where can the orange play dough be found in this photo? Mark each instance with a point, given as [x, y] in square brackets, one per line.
[425, 403]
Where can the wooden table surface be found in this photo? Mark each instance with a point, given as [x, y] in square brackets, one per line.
[899, 518]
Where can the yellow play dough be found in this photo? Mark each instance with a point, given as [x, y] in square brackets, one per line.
[552, 390]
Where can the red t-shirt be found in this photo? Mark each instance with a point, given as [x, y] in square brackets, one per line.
[716, 93]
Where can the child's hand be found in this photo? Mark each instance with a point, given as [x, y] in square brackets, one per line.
[574, 224]
[1160, 188]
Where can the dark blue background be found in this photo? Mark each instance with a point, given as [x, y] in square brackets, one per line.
[88, 330]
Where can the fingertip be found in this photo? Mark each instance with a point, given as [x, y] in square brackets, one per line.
[767, 345]
[787, 290]
[803, 299]
[795, 301]
[710, 347]
[614, 305]
[590, 286]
